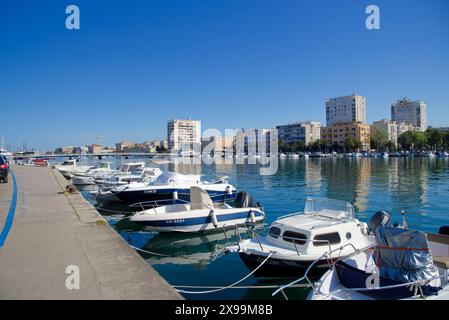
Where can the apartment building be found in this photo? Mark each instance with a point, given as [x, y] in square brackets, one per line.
[345, 109]
[306, 132]
[338, 133]
[412, 112]
[184, 135]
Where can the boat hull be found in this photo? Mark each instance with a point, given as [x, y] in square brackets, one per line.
[200, 223]
[283, 267]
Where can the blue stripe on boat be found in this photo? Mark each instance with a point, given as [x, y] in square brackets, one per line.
[197, 221]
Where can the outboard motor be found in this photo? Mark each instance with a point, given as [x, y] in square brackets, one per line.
[380, 218]
[444, 230]
[243, 200]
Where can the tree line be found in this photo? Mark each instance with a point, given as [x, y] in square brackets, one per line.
[432, 140]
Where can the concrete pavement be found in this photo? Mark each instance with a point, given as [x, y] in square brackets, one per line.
[52, 231]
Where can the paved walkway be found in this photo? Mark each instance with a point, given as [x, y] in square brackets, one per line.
[51, 231]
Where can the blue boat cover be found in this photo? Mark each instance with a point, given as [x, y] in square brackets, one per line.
[403, 255]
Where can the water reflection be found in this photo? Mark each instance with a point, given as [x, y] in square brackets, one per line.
[418, 185]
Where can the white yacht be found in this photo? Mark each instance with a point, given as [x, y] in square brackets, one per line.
[70, 167]
[128, 172]
[171, 185]
[296, 241]
[99, 171]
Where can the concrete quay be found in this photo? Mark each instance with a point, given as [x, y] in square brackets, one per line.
[44, 231]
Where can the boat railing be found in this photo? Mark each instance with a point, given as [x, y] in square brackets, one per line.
[414, 285]
[327, 255]
[289, 215]
[156, 203]
[174, 200]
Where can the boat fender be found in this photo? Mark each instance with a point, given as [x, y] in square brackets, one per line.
[228, 191]
[175, 195]
[213, 217]
[252, 216]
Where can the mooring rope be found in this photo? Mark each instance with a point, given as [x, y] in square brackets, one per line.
[304, 285]
[114, 211]
[149, 252]
[231, 285]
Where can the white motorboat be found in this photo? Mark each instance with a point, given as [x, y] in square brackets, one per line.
[403, 264]
[70, 167]
[296, 241]
[201, 214]
[128, 172]
[171, 185]
[137, 179]
[99, 171]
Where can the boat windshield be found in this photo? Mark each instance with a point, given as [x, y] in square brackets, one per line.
[329, 207]
[103, 165]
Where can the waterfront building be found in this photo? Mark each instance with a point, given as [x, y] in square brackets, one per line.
[306, 132]
[80, 150]
[95, 148]
[184, 135]
[250, 141]
[390, 127]
[408, 111]
[345, 109]
[147, 146]
[65, 150]
[219, 144]
[338, 133]
[404, 127]
[124, 146]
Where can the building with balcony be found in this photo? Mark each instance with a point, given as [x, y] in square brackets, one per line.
[338, 133]
[305, 132]
[184, 135]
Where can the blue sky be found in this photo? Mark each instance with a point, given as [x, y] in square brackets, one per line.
[230, 63]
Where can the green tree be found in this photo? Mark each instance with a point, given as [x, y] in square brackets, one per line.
[391, 146]
[445, 138]
[413, 140]
[434, 138]
[352, 144]
[378, 138]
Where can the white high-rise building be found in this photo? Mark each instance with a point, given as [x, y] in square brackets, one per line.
[408, 111]
[345, 109]
[184, 135]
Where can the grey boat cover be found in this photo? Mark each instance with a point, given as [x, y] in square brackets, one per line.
[403, 255]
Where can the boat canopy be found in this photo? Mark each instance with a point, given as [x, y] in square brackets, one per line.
[329, 207]
[173, 177]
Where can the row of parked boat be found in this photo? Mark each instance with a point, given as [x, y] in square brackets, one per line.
[370, 154]
[326, 245]
[167, 201]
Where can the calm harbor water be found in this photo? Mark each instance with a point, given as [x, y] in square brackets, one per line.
[420, 186]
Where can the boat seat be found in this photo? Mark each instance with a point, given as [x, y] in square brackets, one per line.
[441, 262]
